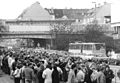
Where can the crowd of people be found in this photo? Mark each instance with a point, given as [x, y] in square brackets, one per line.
[40, 66]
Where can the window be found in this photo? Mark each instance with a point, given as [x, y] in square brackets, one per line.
[116, 29]
[99, 46]
[87, 47]
[75, 47]
[107, 19]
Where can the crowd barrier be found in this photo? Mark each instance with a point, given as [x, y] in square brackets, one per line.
[115, 70]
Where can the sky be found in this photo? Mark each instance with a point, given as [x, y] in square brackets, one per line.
[11, 9]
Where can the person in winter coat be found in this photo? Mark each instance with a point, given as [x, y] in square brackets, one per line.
[80, 75]
[88, 73]
[71, 75]
[28, 74]
[47, 74]
[39, 74]
[101, 77]
[55, 75]
[109, 74]
[94, 75]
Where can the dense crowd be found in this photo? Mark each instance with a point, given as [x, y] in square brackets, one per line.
[41, 66]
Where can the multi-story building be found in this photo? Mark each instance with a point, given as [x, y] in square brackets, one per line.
[85, 16]
[35, 22]
[101, 13]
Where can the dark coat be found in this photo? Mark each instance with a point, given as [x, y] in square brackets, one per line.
[55, 76]
[87, 76]
[109, 76]
[39, 75]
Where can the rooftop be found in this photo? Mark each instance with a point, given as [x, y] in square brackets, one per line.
[68, 13]
[35, 12]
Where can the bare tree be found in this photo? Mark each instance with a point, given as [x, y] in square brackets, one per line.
[61, 31]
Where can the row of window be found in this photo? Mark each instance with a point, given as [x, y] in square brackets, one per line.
[87, 47]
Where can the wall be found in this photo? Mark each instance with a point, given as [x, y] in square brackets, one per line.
[33, 28]
[115, 13]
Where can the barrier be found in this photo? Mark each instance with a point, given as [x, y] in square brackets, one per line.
[115, 70]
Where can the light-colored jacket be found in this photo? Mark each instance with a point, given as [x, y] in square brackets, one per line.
[47, 75]
[94, 76]
[71, 77]
[17, 73]
[80, 76]
[101, 78]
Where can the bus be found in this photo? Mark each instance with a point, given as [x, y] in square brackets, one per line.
[95, 49]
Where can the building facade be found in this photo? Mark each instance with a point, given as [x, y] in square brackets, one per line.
[34, 23]
[33, 26]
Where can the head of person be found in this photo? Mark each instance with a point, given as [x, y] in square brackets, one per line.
[101, 68]
[55, 67]
[29, 64]
[18, 66]
[10, 55]
[94, 68]
[49, 66]
[16, 59]
[41, 67]
[107, 68]
[73, 67]
[38, 64]
[24, 63]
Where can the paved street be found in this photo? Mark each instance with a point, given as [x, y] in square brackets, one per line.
[5, 78]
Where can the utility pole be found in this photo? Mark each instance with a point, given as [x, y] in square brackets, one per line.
[95, 9]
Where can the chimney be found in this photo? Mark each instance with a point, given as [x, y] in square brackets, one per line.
[105, 3]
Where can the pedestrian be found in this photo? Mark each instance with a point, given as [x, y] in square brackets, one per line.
[80, 75]
[39, 74]
[17, 74]
[109, 74]
[55, 75]
[22, 69]
[10, 61]
[5, 64]
[101, 77]
[28, 73]
[47, 74]
[94, 74]
[14, 64]
[88, 73]
[71, 75]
